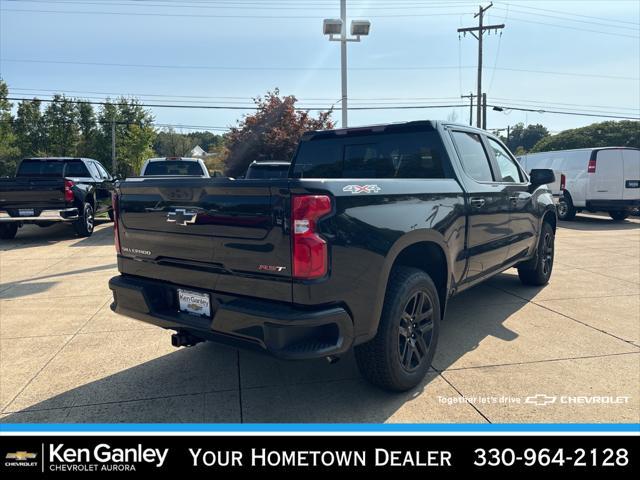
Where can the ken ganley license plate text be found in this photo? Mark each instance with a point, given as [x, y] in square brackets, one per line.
[194, 302]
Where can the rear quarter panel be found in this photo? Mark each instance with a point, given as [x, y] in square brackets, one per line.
[368, 231]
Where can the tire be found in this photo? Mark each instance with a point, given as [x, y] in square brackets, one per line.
[565, 209]
[8, 231]
[537, 271]
[85, 224]
[619, 215]
[399, 356]
[111, 214]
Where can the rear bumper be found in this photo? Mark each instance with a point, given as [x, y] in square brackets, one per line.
[281, 329]
[612, 205]
[57, 215]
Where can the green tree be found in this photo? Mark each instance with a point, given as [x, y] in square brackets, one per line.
[625, 133]
[87, 128]
[61, 126]
[523, 138]
[29, 129]
[169, 143]
[134, 135]
[8, 149]
[273, 132]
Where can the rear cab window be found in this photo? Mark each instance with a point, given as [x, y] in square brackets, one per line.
[52, 168]
[267, 171]
[368, 154]
[173, 167]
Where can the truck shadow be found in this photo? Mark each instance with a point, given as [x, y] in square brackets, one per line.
[177, 387]
[599, 223]
[30, 236]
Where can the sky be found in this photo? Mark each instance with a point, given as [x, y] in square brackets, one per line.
[578, 56]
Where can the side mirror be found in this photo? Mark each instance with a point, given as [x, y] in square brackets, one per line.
[541, 176]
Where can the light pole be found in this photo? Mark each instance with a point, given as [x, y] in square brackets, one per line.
[337, 31]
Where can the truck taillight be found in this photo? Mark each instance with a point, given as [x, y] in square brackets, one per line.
[115, 204]
[310, 256]
[591, 168]
[68, 191]
[563, 181]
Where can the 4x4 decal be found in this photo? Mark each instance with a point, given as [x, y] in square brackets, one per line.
[362, 189]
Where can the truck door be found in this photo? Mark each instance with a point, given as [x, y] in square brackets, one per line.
[487, 207]
[522, 215]
[607, 175]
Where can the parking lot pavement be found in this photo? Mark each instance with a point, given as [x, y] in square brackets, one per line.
[568, 352]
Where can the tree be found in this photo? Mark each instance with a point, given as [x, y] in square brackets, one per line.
[29, 129]
[625, 133]
[169, 143]
[523, 139]
[61, 127]
[8, 149]
[134, 135]
[87, 129]
[271, 133]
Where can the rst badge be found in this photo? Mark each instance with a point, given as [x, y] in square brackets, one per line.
[182, 216]
[355, 189]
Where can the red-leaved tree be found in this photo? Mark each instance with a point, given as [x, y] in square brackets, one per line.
[271, 133]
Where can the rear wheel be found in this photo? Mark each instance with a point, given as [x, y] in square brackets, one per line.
[619, 215]
[8, 231]
[565, 208]
[537, 271]
[84, 225]
[400, 354]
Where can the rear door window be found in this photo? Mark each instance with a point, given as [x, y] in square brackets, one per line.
[76, 169]
[509, 171]
[372, 155]
[472, 155]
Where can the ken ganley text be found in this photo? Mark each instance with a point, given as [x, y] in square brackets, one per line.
[262, 457]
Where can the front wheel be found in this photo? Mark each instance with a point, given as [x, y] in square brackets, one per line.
[537, 271]
[8, 231]
[400, 354]
[84, 225]
[618, 216]
[565, 209]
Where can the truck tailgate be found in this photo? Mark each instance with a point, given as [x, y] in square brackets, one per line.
[33, 193]
[226, 235]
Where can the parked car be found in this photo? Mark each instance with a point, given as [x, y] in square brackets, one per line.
[267, 170]
[50, 190]
[362, 247]
[605, 179]
[174, 166]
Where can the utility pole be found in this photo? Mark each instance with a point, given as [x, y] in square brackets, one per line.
[470, 96]
[343, 61]
[337, 32]
[478, 32]
[113, 147]
[484, 111]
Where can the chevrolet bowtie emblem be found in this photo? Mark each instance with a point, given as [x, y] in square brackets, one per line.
[182, 216]
[21, 456]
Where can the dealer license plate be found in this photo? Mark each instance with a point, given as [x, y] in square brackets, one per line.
[195, 303]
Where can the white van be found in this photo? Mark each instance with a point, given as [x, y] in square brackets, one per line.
[605, 179]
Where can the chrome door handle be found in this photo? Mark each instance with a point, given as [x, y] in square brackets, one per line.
[477, 202]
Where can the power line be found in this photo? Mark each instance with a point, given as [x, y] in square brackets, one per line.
[386, 107]
[272, 68]
[570, 14]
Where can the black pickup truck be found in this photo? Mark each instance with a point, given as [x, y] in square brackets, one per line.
[362, 246]
[50, 190]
